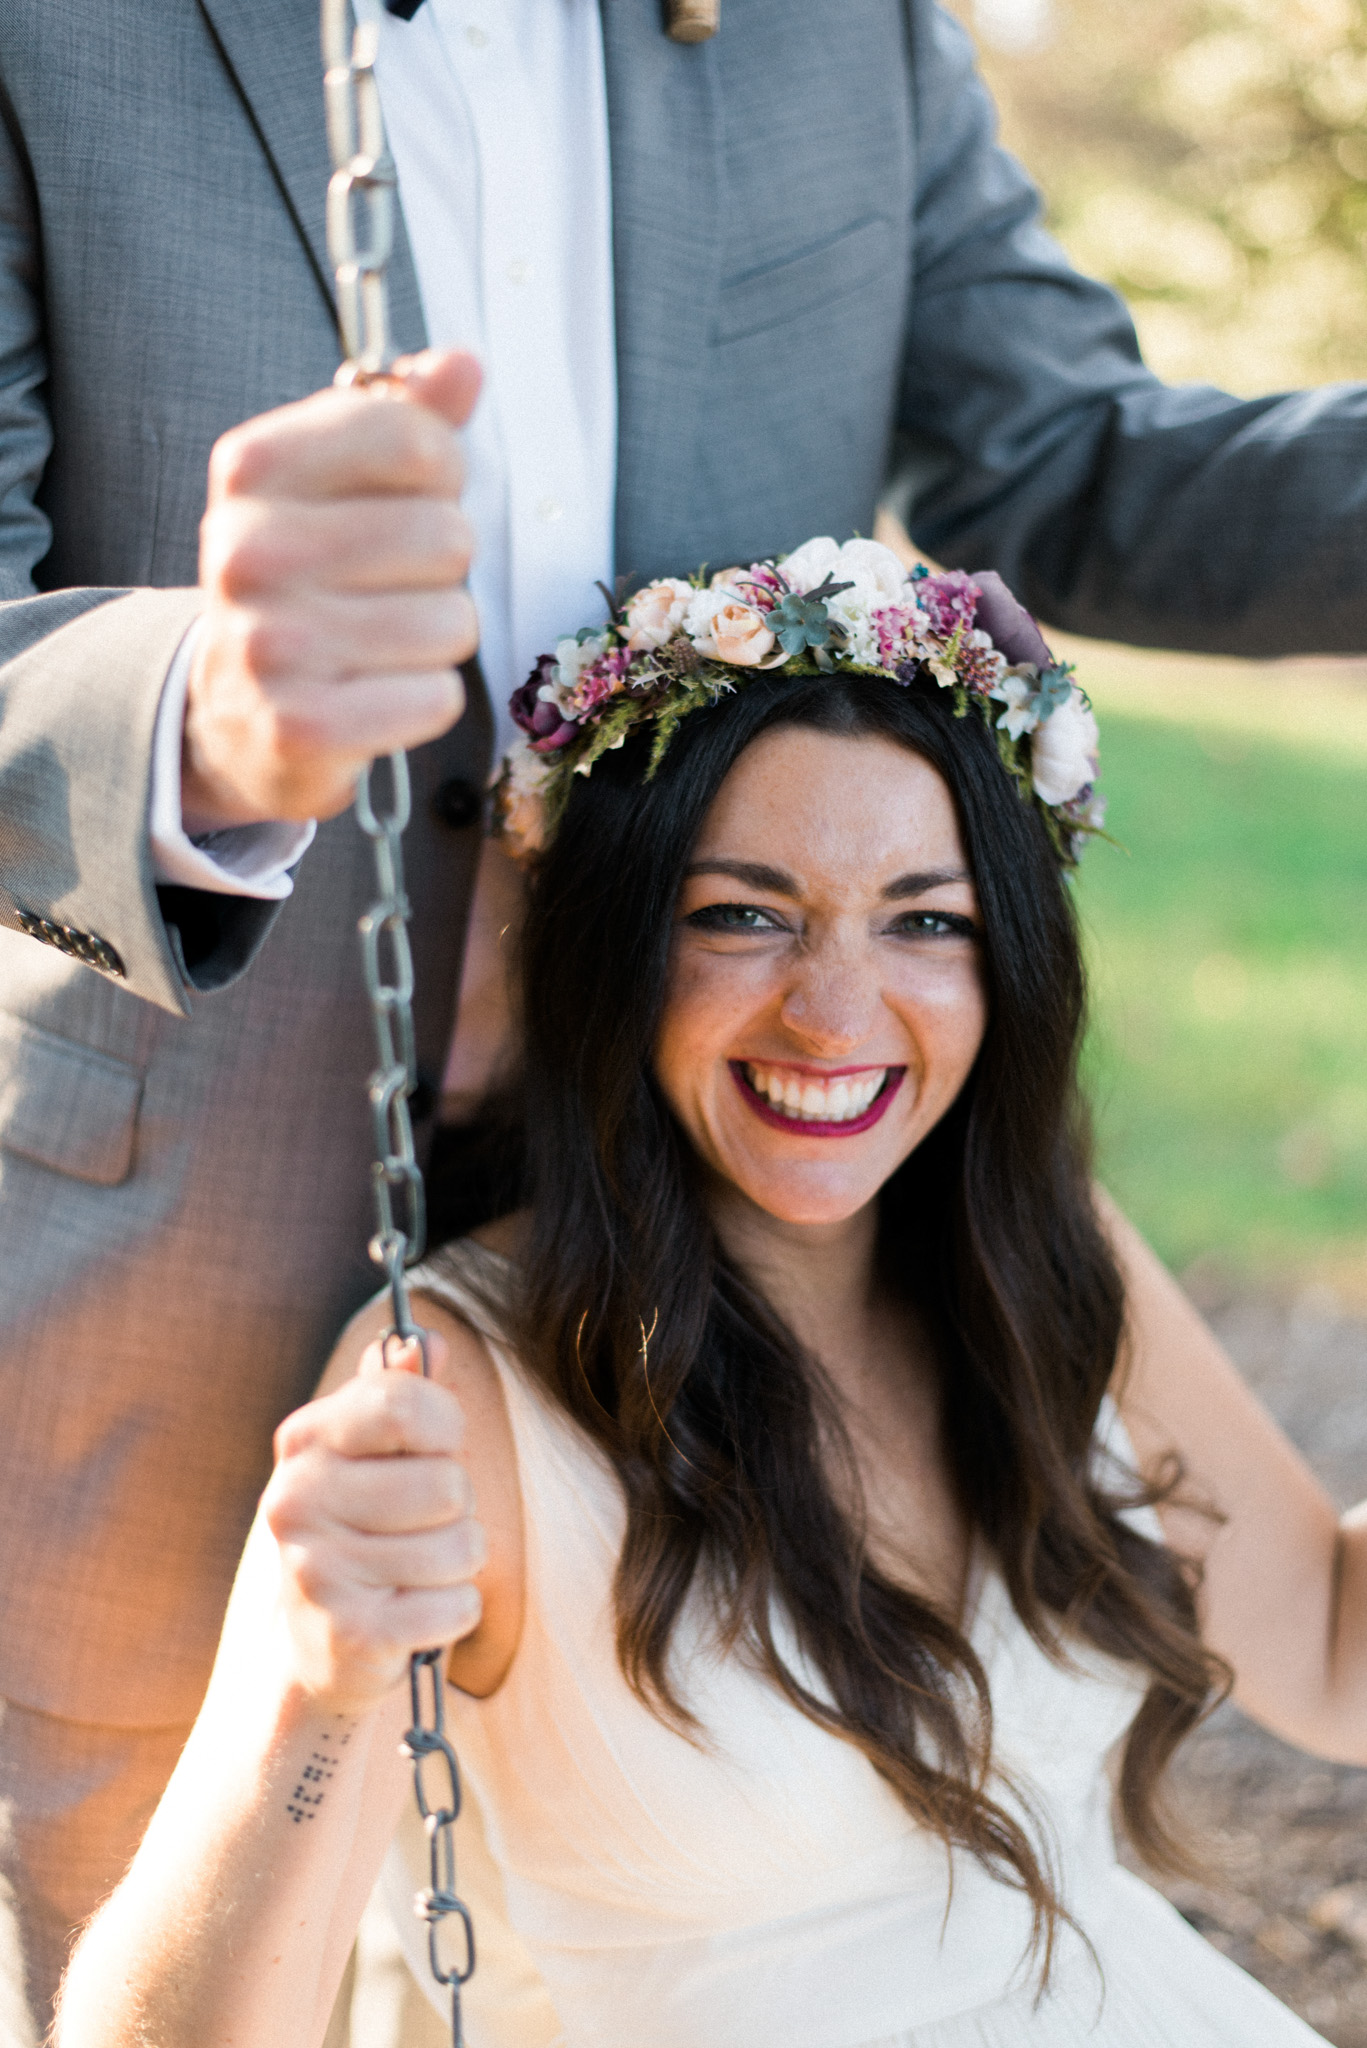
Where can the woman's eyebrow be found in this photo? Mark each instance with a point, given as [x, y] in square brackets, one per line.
[750, 871]
[917, 883]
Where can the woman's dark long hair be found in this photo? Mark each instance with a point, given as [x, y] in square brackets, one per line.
[717, 1422]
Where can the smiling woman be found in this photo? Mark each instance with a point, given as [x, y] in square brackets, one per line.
[856, 1493]
[836, 985]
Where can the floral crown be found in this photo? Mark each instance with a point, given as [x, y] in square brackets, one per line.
[675, 646]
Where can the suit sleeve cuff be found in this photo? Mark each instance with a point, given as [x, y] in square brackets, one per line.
[246, 860]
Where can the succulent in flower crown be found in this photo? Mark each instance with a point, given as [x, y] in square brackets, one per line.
[677, 645]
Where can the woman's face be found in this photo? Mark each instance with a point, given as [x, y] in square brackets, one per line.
[825, 995]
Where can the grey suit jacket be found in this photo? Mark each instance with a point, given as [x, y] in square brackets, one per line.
[830, 285]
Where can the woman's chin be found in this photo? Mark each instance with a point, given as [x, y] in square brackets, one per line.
[814, 1197]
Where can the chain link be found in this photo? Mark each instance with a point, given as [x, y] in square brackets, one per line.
[387, 963]
[360, 228]
[360, 207]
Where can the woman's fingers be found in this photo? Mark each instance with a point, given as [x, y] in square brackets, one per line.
[395, 1496]
[380, 1414]
[392, 1353]
[431, 1557]
[373, 1513]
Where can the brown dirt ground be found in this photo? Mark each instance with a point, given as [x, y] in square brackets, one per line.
[1283, 1835]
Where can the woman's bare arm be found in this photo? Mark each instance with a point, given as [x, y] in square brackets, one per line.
[232, 1927]
[1284, 1592]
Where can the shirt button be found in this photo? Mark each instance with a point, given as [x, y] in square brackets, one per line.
[476, 37]
[519, 272]
[457, 803]
[550, 509]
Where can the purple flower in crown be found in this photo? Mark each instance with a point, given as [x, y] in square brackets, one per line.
[899, 630]
[948, 600]
[1008, 624]
[598, 680]
[535, 709]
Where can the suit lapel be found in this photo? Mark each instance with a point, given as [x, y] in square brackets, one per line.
[664, 123]
[271, 49]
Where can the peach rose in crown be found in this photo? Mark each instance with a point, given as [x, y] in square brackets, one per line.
[655, 613]
[741, 635]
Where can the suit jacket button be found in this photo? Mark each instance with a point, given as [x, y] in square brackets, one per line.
[457, 803]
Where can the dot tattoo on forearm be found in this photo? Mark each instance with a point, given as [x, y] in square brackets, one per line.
[307, 1795]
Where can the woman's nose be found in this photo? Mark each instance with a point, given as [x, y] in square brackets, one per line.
[831, 1002]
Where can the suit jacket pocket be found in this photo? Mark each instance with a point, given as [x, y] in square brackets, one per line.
[829, 269]
[66, 1105]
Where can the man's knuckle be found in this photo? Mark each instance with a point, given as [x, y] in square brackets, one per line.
[429, 450]
[272, 644]
[449, 623]
[244, 564]
[452, 542]
[296, 732]
[239, 460]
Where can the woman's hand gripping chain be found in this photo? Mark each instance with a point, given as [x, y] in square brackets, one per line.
[374, 1517]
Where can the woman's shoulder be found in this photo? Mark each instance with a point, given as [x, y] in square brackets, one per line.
[473, 1277]
[467, 1289]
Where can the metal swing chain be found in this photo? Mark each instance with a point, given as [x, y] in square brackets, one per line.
[360, 232]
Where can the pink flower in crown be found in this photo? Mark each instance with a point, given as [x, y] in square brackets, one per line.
[598, 680]
[950, 599]
[758, 586]
[767, 585]
[900, 630]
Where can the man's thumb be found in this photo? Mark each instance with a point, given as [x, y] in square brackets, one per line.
[445, 380]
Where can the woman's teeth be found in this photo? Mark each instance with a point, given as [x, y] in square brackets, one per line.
[817, 1102]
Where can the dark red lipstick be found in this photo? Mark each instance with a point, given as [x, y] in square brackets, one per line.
[798, 1127]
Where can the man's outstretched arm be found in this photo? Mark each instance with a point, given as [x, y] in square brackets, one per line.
[1032, 438]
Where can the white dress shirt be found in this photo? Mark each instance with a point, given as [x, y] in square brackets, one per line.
[496, 112]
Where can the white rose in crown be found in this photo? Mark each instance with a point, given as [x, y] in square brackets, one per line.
[877, 579]
[879, 576]
[1063, 751]
[571, 656]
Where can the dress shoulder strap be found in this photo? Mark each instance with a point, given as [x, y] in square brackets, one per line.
[471, 1279]
[564, 1475]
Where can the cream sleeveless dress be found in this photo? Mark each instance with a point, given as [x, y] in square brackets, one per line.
[763, 1888]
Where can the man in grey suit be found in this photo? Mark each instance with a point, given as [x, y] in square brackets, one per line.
[830, 288]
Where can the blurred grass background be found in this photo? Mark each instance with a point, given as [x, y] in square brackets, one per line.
[1228, 943]
[1209, 158]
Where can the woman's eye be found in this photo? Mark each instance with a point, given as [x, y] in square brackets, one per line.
[732, 917]
[936, 924]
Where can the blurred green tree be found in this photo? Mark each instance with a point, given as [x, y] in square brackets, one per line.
[1207, 157]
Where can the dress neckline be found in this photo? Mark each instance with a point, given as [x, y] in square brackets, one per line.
[982, 1569]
